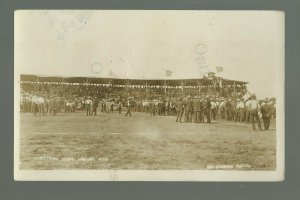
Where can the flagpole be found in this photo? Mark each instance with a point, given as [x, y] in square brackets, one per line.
[167, 73]
[165, 82]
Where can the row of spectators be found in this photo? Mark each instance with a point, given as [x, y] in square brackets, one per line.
[71, 90]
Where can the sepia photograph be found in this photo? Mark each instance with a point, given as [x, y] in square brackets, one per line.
[149, 95]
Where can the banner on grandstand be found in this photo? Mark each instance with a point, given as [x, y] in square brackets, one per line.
[246, 96]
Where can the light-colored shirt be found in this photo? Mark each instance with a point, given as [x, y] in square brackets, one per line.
[40, 100]
[88, 102]
[247, 104]
[240, 105]
[34, 99]
[253, 104]
[213, 105]
[222, 104]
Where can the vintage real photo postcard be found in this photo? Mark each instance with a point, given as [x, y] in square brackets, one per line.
[149, 95]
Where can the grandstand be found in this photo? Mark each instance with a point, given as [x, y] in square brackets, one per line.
[142, 88]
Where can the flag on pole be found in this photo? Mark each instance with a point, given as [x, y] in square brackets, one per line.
[87, 82]
[111, 73]
[62, 81]
[211, 74]
[168, 72]
[219, 69]
[246, 96]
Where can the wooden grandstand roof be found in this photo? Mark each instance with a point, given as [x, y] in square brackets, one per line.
[124, 81]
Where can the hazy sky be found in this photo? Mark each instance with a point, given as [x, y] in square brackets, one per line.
[142, 44]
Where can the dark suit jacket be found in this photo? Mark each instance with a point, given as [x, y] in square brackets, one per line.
[208, 105]
[265, 110]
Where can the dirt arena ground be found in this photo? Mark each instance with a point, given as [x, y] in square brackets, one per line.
[113, 141]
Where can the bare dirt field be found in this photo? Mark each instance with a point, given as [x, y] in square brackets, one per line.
[113, 141]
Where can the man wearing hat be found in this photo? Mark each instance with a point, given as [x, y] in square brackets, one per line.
[41, 105]
[265, 110]
[202, 109]
[207, 108]
[189, 110]
[88, 105]
[94, 106]
[180, 105]
[53, 105]
[196, 103]
[213, 108]
[239, 110]
[272, 105]
[34, 106]
[253, 105]
[129, 106]
[247, 111]
[222, 108]
[119, 106]
[228, 110]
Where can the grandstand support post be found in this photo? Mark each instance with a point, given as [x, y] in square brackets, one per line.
[245, 88]
[86, 83]
[109, 83]
[165, 86]
[234, 87]
[214, 84]
[127, 83]
[62, 82]
[220, 82]
[182, 83]
[199, 86]
[146, 86]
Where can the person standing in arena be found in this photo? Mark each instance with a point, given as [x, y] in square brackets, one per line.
[247, 108]
[95, 106]
[202, 110]
[239, 110]
[120, 107]
[53, 105]
[196, 103]
[41, 105]
[180, 109]
[168, 107]
[156, 103]
[103, 106]
[88, 104]
[34, 106]
[242, 110]
[272, 105]
[112, 106]
[266, 112]
[213, 108]
[108, 106]
[253, 105]
[208, 109]
[189, 110]
[222, 108]
[129, 105]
